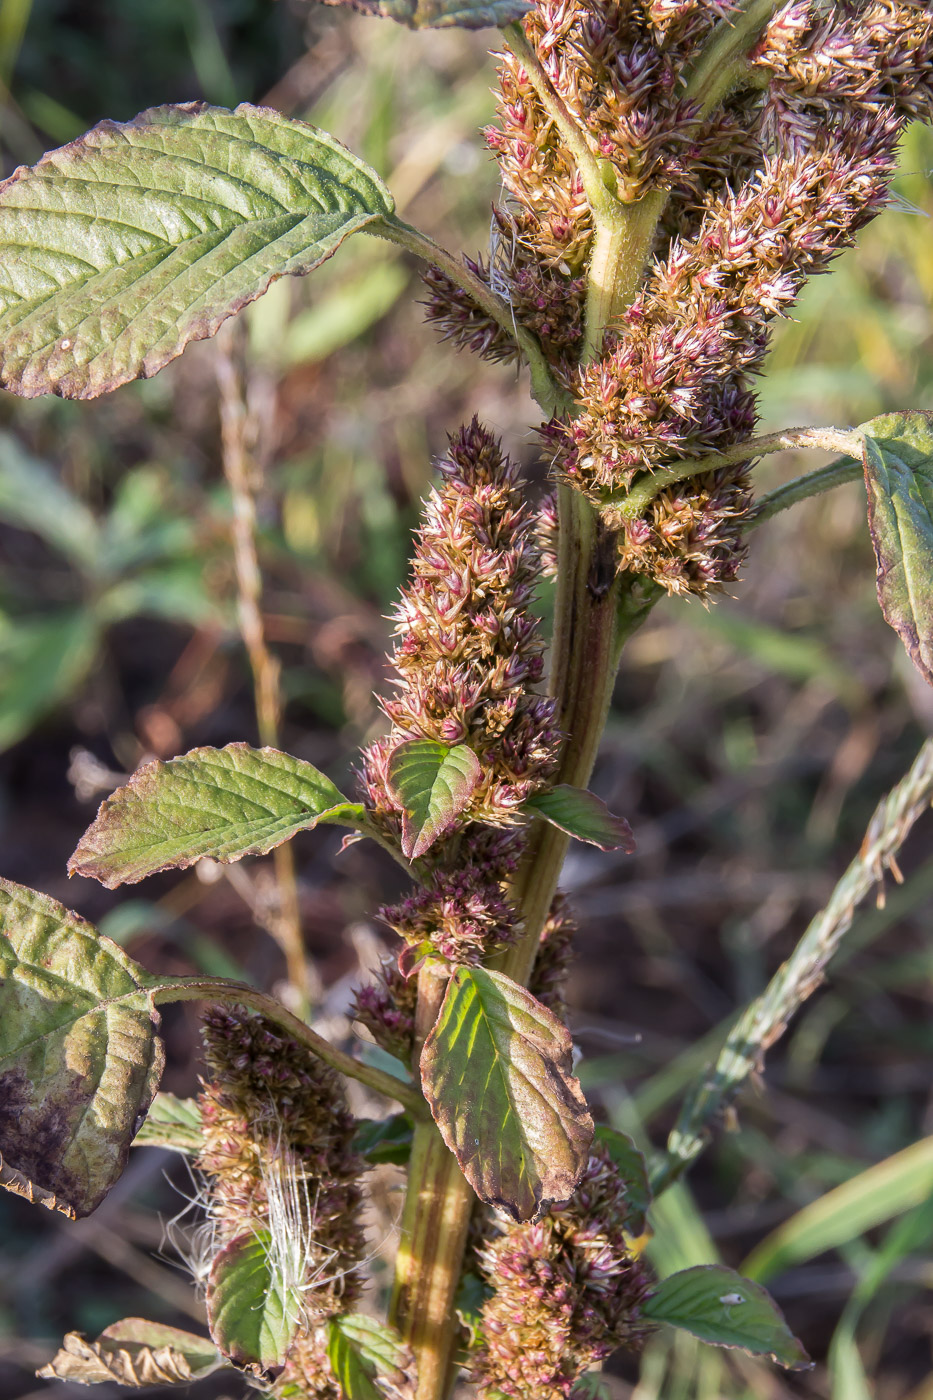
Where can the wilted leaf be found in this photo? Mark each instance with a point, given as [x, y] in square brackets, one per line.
[497, 1073]
[79, 1058]
[442, 14]
[630, 1164]
[583, 815]
[120, 248]
[384, 1139]
[369, 1359]
[720, 1306]
[134, 1353]
[174, 1123]
[433, 783]
[222, 803]
[252, 1315]
[898, 459]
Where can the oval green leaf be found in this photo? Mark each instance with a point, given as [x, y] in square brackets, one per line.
[79, 1057]
[584, 815]
[433, 784]
[897, 456]
[497, 1072]
[134, 1353]
[369, 1359]
[721, 1307]
[253, 1317]
[120, 248]
[442, 14]
[223, 803]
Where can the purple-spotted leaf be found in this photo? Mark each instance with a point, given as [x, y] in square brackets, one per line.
[251, 1310]
[137, 1354]
[442, 14]
[369, 1359]
[584, 815]
[433, 784]
[120, 248]
[897, 455]
[498, 1074]
[633, 1172]
[173, 1123]
[79, 1057]
[223, 803]
[720, 1306]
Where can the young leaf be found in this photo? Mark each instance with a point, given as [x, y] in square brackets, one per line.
[223, 803]
[442, 14]
[497, 1073]
[720, 1306]
[897, 455]
[79, 1057]
[174, 1123]
[630, 1164]
[252, 1315]
[433, 783]
[583, 815]
[120, 248]
[363, 1353]
[134, 1353]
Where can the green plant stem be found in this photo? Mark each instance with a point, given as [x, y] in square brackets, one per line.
[802, 488]
[634, 502]
[598, 195]
[227, 993]
[765, 1019]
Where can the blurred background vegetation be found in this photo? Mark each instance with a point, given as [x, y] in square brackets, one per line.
[748, 743]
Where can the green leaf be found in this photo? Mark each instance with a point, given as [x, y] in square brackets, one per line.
[79, 1058]
[363, 1353]
[497, 1073]
[137, 238]
[630, 1164]
[252, 1315]
[897, 455]
[135, 1353]
[583, 815]
[863, 1202]
[384, 1139]
[719, 1306]
[442, 14]
[43, 661]
[174, 1123]
[223, 803]
[433, 784]
[33, 497]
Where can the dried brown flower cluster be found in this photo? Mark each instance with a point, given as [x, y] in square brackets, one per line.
[567, 1291]
[757, 196]
[277, 1156]
[467, 659]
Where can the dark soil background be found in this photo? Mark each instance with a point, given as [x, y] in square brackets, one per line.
[748, 744]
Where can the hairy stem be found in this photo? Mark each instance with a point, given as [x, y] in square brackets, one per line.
[635, 501]
[803, 487]
[227, 993]
[765, 1019]
[239, 430]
